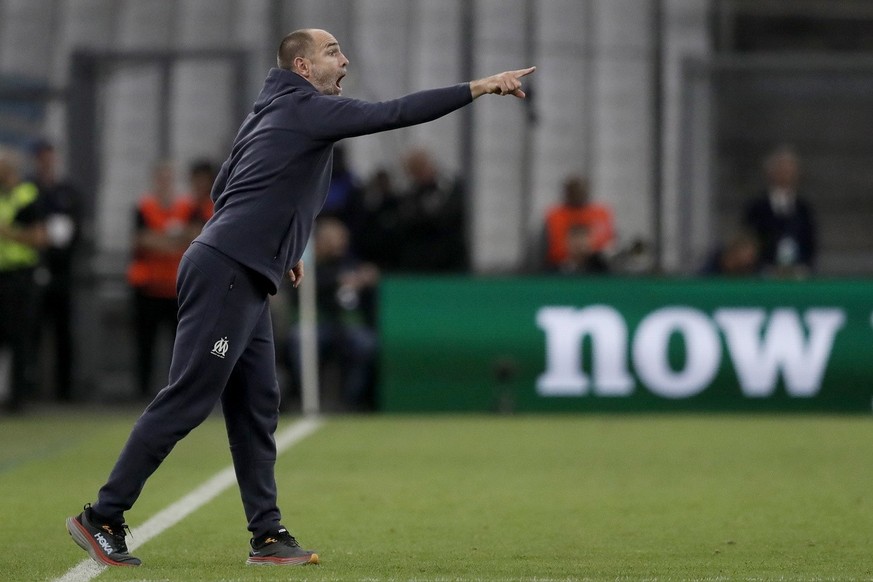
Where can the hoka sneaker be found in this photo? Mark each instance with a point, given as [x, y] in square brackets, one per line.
[104, 542]
[279, 549]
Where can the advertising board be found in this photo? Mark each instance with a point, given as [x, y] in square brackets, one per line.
[604, 344]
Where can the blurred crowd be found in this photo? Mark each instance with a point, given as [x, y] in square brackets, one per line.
[775, 237]
[39, 215]
[409, 217]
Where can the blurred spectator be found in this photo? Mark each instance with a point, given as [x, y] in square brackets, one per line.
[430, 235]
[345, 197]
[201, 176]
[740, 257]
[22, 237]
[163, 232]
[382, 208]
[342, 284]
[581, 256]
[61, 203]
[578, 223]
[782, 220]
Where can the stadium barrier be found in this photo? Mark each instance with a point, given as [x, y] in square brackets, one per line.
[572, 345]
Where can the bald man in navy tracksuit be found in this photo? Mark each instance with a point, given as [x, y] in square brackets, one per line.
[266, 196]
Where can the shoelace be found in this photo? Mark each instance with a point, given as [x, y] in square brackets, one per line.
[117, 531]
[287, 539]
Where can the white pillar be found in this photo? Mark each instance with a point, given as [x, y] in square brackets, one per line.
[255, 31]
[498, 132]
[81, 24]
[622, 168]
[562, 101]
[434, 56]
[379, 69]
[131, 120]
[686, 35]
[203, 121]
[26, 32]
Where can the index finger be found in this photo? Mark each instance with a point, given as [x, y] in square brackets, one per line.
[523, 72]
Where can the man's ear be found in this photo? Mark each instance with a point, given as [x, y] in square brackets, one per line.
[302, 66]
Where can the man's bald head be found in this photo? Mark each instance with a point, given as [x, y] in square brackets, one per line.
[315, 55]
[300, 43]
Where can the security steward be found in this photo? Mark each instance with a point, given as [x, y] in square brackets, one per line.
[22, 236]
[164, 230]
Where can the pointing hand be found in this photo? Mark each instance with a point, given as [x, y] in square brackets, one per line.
[506, 83]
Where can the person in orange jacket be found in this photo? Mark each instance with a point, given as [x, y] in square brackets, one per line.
[577, 214]
[163, 231]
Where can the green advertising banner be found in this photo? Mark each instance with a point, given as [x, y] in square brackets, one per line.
[603, 344]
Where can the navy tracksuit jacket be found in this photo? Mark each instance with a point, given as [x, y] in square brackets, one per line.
[266, 196]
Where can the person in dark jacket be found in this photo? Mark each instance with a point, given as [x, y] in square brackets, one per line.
[782, 219]
[344, 287]
[431, 234]
[267, 195]
[61, 202]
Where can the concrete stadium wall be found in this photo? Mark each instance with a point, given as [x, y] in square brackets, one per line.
[592, 111]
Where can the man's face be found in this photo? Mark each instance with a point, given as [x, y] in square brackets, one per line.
[784, 172]
[331, 239]
[420, 168]
[575, 192]
[327, 63]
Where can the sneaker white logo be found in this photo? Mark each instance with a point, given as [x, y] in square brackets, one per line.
[220, 348]
[104, 543]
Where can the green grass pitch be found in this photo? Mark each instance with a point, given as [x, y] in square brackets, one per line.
[477, 498]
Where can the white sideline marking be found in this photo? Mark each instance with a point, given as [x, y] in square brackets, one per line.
[172, 514]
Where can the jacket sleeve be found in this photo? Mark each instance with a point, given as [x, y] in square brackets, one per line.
[335, 118]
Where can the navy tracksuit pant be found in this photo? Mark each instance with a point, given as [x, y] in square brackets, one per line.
[223, 350]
